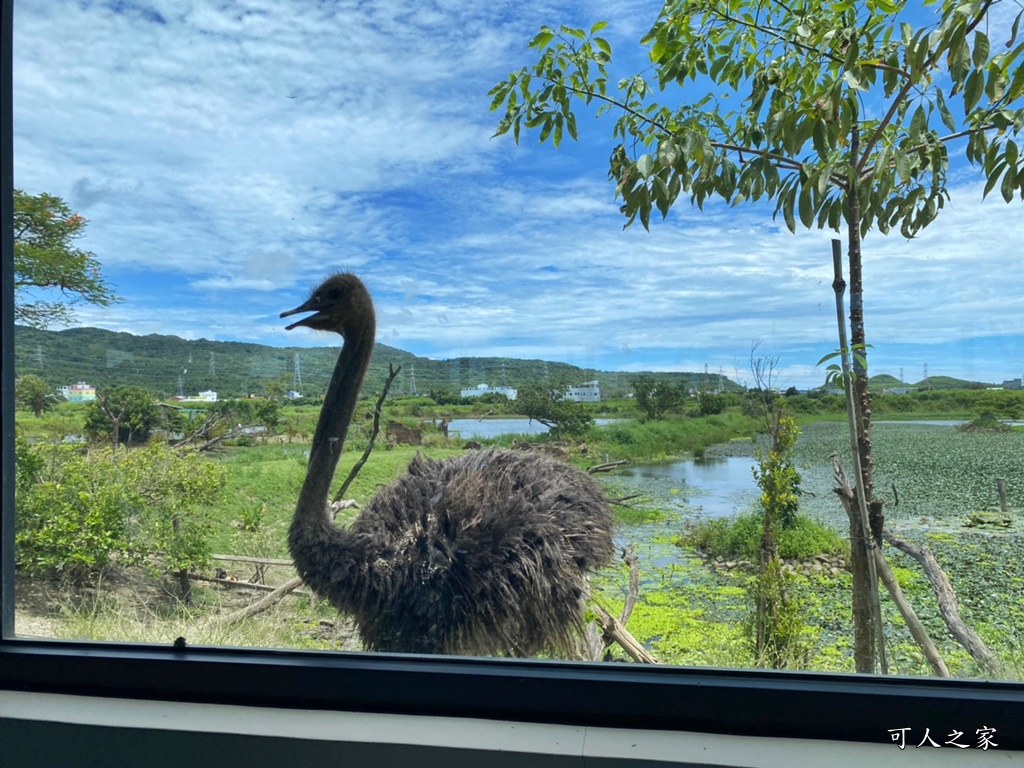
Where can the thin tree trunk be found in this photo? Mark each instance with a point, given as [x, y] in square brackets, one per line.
[867, 624]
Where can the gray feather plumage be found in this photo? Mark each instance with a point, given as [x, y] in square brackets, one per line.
[483, 554]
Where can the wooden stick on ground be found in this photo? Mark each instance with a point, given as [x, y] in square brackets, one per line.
[267, 602]
[257, 560]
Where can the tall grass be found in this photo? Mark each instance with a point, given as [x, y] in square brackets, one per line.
[668, 438]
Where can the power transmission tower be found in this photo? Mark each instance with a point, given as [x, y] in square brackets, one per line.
[181, 386]
[925, 379]
[39, 355]
[213, 366]
[412, 379]
[297, 378]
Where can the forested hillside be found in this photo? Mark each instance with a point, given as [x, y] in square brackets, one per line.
[105, 359]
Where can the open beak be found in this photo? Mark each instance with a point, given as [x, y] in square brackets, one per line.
[309, 322]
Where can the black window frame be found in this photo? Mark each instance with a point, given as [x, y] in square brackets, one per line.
[723, 701]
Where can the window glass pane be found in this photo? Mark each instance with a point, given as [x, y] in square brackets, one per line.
[642, 436]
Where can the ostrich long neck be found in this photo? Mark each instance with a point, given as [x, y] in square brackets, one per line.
[335, 416]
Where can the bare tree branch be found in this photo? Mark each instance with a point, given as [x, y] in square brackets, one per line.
[392, 373]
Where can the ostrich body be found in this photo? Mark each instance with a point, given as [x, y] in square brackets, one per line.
[485, 553]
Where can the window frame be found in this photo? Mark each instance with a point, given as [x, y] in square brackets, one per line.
[724, 701]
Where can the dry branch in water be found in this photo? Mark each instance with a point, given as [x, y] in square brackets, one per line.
[917, 630]
[607, 467]
[948, 606]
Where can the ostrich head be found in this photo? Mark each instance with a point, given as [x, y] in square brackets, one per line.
[338, 304]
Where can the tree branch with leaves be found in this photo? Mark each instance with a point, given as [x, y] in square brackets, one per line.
[840, 113]
[45, 258]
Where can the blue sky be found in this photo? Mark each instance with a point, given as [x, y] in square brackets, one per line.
[228, 155]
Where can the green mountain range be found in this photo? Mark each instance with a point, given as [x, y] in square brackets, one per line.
[884, 381]
[168, 365]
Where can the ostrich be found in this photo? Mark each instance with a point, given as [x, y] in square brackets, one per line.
[486, 553]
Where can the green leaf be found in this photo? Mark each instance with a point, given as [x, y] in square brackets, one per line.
[902, 165]
[1017, 84]
[853, 81]
[820, 139]
[981, 48]
[545, 129]
[993, 179]
[668, 152]
[604, 45]
[717, 66]
[918, 123]
[598, 26]
[806, 207]
[973, 89]
[541, 39]
[787, 209]
[944, 113]
[1009, 185]
[646, 165]
[570, 124]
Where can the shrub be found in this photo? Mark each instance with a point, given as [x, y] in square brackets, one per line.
[740, 537]
[80, 512]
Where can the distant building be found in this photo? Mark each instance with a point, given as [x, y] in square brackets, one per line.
[483, 389]
[587, 392]
[208, 396]
[1012, 384]
[899, 390]
[291, 394]
[78, 393]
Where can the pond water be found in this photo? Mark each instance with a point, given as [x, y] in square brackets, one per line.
[471, 429]
[714, 487]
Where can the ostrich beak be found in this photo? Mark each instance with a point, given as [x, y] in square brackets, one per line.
[315, 321]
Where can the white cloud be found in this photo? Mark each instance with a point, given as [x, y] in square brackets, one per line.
[234, 154]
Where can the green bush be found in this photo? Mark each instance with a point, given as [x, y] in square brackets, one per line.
[79, 512]
[740, 537]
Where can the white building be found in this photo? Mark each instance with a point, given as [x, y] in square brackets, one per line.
[208, 396]
[483, 389]
[78, 393]
[587, 392]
